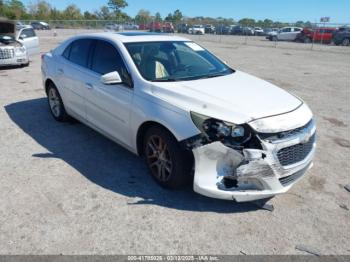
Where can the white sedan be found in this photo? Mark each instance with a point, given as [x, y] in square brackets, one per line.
[173, 102]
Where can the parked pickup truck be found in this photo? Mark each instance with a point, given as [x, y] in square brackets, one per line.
[323, 35]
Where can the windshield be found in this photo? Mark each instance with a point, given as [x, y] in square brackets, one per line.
[175, 61]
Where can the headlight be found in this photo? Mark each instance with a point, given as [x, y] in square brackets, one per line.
[20, 50]
[218, 129]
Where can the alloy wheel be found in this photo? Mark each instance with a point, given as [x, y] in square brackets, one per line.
[54, 102]
[158, 158]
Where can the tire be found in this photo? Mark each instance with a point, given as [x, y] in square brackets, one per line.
[56, 104]
[346, 42]
[168, 164]
[307, 40]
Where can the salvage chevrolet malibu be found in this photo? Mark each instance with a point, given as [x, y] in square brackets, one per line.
[173, 102]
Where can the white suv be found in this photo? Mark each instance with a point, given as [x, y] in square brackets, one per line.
[183, 109]
[197, 30]
[285, 34]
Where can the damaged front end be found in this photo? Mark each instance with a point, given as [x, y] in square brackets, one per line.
[12, 52]
[237, 162]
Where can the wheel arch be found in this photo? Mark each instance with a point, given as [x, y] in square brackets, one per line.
[142, 130]
[49, 81]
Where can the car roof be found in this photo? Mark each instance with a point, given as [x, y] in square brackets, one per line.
[133, 36]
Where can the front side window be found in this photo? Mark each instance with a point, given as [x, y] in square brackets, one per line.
[79, 52]
[106, 58]
[286, 30]
[175, 61]
[27, 33]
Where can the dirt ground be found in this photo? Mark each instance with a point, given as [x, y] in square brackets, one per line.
[65, 189]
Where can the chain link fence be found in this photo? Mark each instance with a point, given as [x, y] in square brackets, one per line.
[304, 36]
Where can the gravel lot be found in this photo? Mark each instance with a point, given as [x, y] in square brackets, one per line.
[66, 189]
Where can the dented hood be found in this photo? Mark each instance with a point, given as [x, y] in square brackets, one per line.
[237, 98]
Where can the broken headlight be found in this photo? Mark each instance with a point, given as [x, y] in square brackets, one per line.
[215, 129]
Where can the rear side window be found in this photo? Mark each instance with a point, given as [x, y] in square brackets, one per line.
[106, 58]
[79, 52]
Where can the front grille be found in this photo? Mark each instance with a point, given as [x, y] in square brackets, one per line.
[7, 53]
[296, 153]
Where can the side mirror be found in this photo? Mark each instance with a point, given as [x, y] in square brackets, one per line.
[22, 37]
[112, 78]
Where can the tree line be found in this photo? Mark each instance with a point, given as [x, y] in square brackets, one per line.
[113, 10]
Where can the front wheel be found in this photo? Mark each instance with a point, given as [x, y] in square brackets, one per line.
[56, 105]
[168, 164]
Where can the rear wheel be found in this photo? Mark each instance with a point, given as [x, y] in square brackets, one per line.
[346, 42]
[55, 103]
[168, 164]
[307, 40]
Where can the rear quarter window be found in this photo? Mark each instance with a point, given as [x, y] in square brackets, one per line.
[79, 52]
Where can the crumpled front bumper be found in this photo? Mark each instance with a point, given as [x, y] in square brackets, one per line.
[256, 174]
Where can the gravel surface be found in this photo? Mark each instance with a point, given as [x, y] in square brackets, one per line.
[65, 189]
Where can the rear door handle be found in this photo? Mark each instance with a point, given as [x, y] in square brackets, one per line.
[89, 86]
[60, 71]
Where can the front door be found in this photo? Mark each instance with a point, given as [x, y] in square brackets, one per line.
[108, 106]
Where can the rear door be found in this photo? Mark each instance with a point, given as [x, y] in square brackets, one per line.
[29, 39]
[294, 33]
[108, 106]
[71, 72]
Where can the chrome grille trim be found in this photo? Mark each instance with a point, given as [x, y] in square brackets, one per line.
[7, 53]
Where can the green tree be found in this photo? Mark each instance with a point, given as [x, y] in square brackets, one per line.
[15, 9]
[143, 17]
[40, 10]
[72, 12]
[247, 22]
[116, 6]
[169, 18]
[103, 13]
[158, 17]
[177, 16]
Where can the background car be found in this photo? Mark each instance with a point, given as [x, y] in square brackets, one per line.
[342, 36]
[259, 31]
[196, 30]
[285, 34]
[155, 27]
[209, 29]
[40, 25]
[182, 28]
[324, 35]
[168, 27]
[223, 30]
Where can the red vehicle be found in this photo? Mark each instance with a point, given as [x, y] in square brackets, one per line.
[155, 27]
[324, 35]
[168, 27]
[143, 27]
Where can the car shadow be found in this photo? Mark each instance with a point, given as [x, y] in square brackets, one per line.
[105, 163]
